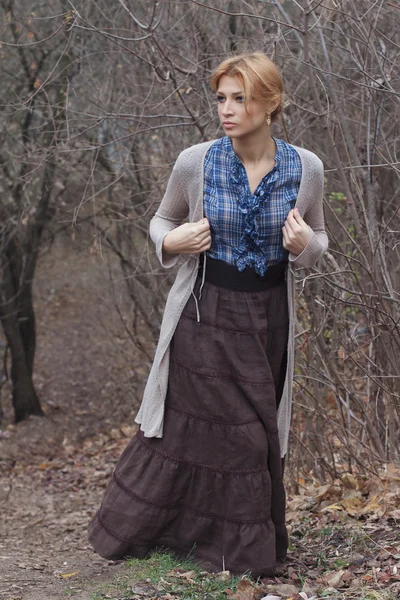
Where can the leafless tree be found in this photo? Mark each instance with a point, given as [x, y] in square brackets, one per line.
[136, 93]
[37, 66]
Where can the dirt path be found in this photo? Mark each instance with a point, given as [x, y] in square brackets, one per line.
[50, 481]
[45, 512]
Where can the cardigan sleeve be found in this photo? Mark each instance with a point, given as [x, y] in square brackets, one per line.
[314, 217]
[170, 214]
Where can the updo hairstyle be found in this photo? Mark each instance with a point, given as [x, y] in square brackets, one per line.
[259, 76]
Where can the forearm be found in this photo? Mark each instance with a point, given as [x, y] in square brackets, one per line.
[316, 246]
[159, 229]
[172, 211]
[317, 242]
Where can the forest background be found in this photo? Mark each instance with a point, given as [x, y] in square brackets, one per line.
[97, 100]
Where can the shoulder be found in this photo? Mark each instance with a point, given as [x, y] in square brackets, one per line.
[190, 162]
[288, 151]
[309, 158]
[195, 153]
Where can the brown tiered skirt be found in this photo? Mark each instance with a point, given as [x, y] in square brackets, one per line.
[212, 486]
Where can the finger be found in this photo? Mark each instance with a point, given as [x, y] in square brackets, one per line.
[285, 238]
[297, 216]
[289, 236]
[205, 245]
[199, 231]
[201, 243]
[202, 240]
[291, 218]
[294, 225]
[289, 226]
[203, 225]
[203, 234]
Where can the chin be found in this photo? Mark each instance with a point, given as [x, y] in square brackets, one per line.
[233, 134]
[238, 134]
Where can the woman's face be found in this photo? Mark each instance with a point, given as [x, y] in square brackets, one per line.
[234, 118]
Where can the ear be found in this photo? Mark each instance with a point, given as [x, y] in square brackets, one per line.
[273, 107]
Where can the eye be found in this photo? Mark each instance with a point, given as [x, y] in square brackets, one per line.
[240, 99]
[220, 98]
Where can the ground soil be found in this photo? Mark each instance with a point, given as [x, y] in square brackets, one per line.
[89, 378]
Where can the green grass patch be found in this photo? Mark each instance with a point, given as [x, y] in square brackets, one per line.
[180, 577]
[164, 573]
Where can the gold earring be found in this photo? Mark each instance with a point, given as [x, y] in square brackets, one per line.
[268, 120]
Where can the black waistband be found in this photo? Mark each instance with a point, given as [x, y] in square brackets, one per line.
[219, 272]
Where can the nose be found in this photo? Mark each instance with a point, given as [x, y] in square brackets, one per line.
[227, 108]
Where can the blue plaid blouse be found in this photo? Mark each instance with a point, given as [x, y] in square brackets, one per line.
[246, 228]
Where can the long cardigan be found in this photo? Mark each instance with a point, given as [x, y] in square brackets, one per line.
[184, 198]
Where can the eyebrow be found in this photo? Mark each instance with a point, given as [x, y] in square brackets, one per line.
[233, 93]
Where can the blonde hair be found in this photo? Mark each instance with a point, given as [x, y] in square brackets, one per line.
[259, 76]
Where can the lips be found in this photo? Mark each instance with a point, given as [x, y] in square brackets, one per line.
[228, 123]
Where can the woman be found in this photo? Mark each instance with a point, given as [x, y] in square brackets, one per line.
[204, 473]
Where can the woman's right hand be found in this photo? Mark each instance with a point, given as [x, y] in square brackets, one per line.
[188, 238]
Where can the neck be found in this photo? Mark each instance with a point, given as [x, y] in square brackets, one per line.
[255, 148]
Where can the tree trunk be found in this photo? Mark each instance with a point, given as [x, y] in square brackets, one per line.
[19, 338]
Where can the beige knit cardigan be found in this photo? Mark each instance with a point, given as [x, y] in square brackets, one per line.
[184, 198]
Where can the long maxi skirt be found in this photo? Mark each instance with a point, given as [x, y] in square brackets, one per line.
[212, 486]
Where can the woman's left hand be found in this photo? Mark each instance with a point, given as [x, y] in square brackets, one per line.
[296, 232]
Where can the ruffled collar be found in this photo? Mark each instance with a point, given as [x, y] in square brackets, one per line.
[251, 250]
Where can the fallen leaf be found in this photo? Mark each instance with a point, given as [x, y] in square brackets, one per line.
[246, 591]
[373, 504]
[143, 589]
[223, 576]
[130, 430]
[188, 575]
[336, 580]
[307, 589]
[65, 575]
[350, 481]
[332, 507]
[328, 492]
[285, 589]
[392, 472]
[352, 499]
